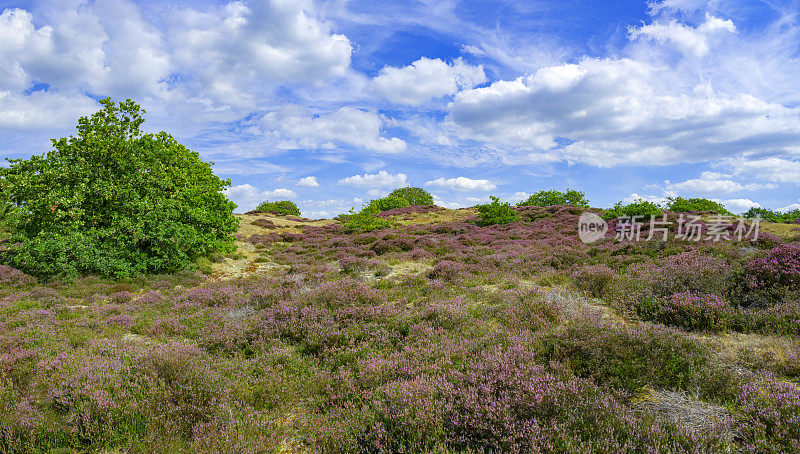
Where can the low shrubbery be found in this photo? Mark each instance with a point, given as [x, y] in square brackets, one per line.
[283, 207]
[642, 208]
[365, 220]
[681, 205]
[789, 217]
[552, 198]
[496, 213]
[414, 196]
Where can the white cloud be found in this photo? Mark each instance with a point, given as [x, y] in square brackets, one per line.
[439, 202]
[689, 40]
[294, 127]
[769, 169]
[716, 183]
[382, 179]
[519, 197]
[792, 207]
[234, 50]
[738, 206]
[426, 79]
[619, 112]
[41, 110]
[308, 182]
[88, 47]
[247, 197]
[462, 184]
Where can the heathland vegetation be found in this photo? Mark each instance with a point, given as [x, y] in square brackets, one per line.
[403, 327]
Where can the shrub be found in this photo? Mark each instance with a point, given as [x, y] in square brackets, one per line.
[551, 198]
[414, 196]
[388, 203]
[365, 220]
[789, 217]
[770, 412]
[681, 205]
[264, 223]
[694, 311]
[496, 213]
[115, 201]
[639, 207]
[284, 207]
[771, 276]
[593, 279]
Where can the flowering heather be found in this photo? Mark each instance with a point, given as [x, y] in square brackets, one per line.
[480, 339]
[694, 311]
[13, 277]
[770, 416]
[779, 269]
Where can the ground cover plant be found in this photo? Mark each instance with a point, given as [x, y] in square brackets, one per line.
[418, 329]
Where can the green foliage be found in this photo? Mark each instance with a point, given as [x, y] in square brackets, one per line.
[639, 207]
[388, 203]
[414, 196]
[365, 220]
[285, 207]
[681, 205]
[551, 198]
[789, 217]
[114, 201]
[496, 213]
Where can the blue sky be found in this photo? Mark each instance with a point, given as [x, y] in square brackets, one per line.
[331, 103]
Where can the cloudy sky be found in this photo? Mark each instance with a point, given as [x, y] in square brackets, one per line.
[330, 103]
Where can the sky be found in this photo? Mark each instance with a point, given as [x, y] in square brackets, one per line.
[330, 103]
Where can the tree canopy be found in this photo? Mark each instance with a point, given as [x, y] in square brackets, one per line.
[114, 201]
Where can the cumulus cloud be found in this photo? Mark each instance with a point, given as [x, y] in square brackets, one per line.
[737, 206]
[462, 184]
[41, 110]
[247, 196]
[233, 50]
[776, 169]
[427, 79]
[716, 183]
[308, 182]
[689, 40]
[382, 179]
[618, 112]
[295, 127]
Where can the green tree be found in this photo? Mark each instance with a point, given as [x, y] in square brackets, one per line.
[414, 196]
[388, 203]
[681, 205]
[551, 198]
[115, 201]
[639, 207]
[496, 213]
[286, 207]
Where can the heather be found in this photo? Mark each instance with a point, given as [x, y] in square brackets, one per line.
[428, 332]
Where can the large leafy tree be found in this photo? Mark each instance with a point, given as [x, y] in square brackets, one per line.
[115, 201]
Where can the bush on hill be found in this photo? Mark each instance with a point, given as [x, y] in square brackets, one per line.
[639, 207]
[284, 207]
[681, 205]
[551, 198]
[414, 196]
[496, 213]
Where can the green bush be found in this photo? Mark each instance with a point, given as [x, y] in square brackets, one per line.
[365, 220]
[681, 205]
[496, 213]
[551, 198]
[639, 207]
[388, 203]
[414, 196]
[114, 201]
[285, 207]
[789, 217]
